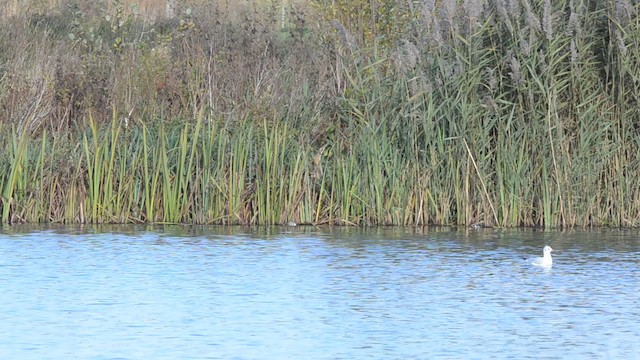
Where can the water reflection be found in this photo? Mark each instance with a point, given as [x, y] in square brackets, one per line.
[168, 292]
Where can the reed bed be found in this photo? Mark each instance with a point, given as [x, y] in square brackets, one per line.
[497, 113]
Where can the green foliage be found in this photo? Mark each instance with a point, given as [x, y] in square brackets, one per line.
[496, 113]
[376, 22]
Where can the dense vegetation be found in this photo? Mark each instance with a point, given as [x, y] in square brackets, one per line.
[494, 112]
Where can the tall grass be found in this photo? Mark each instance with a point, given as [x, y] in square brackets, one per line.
[497, 113]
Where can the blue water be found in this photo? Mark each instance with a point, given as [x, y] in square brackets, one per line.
[316, 293]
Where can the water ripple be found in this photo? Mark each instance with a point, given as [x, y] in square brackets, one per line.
[321, 294]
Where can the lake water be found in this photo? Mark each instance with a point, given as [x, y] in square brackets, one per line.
[126, 292]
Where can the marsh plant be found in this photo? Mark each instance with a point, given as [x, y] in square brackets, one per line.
[494, 112]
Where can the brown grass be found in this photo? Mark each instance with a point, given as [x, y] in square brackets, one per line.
[232, 59]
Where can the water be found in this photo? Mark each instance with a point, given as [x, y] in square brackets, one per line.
[314, 293]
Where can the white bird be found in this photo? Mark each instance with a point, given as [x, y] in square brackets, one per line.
[545, 260]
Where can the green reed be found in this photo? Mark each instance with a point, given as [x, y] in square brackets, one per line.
[504, 118]
[17, 179]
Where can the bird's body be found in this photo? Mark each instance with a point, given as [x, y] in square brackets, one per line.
[545, 260]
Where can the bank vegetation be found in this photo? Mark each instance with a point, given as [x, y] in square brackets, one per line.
[491, 112]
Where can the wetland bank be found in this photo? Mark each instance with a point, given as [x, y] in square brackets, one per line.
[501, 113]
